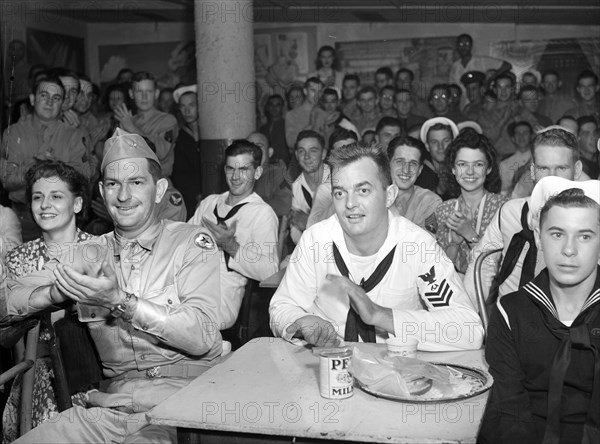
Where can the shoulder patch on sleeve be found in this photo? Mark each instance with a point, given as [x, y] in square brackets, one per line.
[176, 199]
[169, 136]
[437, 294]
[205, 241]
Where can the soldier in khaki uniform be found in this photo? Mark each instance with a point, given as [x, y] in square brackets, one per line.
[160, 132]
[149, 293]
[158, 128]
[39, 136]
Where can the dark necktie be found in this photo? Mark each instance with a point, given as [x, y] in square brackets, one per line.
[222, 221]
[354, 324]
[577, 336]
[307, 197]
[517, 243]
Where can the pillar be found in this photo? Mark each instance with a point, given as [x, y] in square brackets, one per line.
[226, 84]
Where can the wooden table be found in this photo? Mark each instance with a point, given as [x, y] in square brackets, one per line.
[271, 387]
[274, 280]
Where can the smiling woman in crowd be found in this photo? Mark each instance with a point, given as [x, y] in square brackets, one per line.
[461, 221]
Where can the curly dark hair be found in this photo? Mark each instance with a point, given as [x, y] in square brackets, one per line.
[469, 138]
[76, 182]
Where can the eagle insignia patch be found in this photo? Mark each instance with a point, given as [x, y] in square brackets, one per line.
[176, 199]
[204, 241]
[429, 277]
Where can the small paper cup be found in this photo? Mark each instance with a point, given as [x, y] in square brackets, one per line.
[406, 347]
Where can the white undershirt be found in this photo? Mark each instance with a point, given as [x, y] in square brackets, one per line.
[365, 265]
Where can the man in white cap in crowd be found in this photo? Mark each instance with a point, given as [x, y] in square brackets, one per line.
[555, 152]
[436, 134]
[542, 345]
[149, 292]
[187, 177]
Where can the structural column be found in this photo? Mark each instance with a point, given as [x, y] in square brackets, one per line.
[226, 84]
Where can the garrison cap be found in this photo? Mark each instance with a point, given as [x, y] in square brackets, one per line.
[124, 145]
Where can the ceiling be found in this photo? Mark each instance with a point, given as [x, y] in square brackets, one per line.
[574, 12]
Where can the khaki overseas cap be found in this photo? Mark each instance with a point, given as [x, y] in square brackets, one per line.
[124, 145]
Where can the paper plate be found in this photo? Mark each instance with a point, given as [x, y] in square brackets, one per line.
[481, 381]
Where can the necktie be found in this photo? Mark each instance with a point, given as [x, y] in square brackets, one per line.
[307, 197]
[354, 324]
[577, 336]
[517, 243]
[222, 221]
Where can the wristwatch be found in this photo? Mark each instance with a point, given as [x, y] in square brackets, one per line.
[118, 310]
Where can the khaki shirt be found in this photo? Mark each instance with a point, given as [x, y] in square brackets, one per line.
[173, 268]
[161, 130]
[28, 140]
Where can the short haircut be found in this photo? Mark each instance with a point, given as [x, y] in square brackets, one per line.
[309, 134]
[63, 72]
[167, 89]
[388, 121]
[571, 198]
[116, 87]
[439, 86]
[291, 89]
[340, 157]
[408, 141]
[243, 146]
[439, 127]
[550, 72]
[273, 97]
[513, 127]
[85, 77]
[366, 90]
[566, 117]
[340, 133]
[386, 71]
[558, 137]
[527, 88]
[352, 77]
[506, 75]
[154, 169]
[46, 78]
[313, 80]
[463, 36]
[143, 75]
[125, 71]
[406, 70]
[76, 182]
[402, 91]
[387, 88]
[469, 138]
[587, 74]
[456, 87]
[586, 119]
[330, 92]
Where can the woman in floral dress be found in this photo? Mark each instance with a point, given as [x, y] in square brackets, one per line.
[462, 221]
[57, 194]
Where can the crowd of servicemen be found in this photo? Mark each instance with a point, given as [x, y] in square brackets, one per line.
[377, 201]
